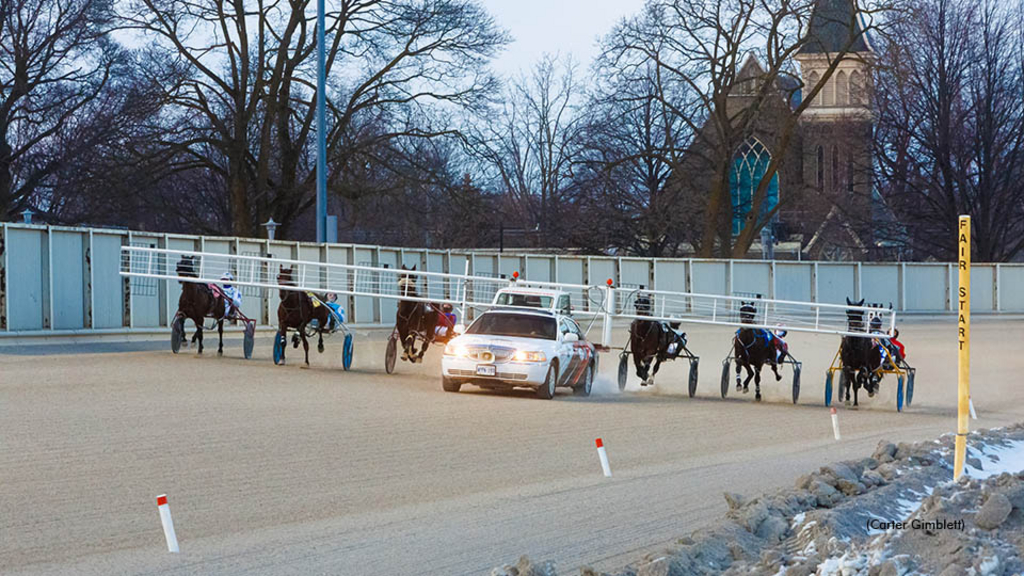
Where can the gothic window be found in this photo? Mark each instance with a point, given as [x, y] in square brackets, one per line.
[749, 167]
[842, 89]
[849, 173]
[856, 88]
[835, 168]
[812, 81]
[820, 166]
[828, 93]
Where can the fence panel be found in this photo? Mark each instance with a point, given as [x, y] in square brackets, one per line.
[925, 286]
[752, 277]
[26, 278]
[836, 282]
[69, 284]
[710, 277]
[880, 284]
[793, 281]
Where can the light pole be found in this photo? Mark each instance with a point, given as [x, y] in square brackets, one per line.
[321, 127]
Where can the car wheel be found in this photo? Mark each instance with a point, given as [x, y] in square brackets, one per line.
[546, 391]
[450, 385]
[588, 382]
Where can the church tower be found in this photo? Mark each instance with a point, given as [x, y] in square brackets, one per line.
[837, 133]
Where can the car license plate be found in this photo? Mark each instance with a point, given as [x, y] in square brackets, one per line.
[485, 371]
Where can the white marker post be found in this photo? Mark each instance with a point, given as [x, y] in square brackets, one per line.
[835, 423]
[970, 403]
[165, 519]
[604, 459]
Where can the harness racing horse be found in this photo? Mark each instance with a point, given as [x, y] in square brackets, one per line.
[752, 349]
[649, 342]
[198, 302]
[413, 319]
[860, 356]
[295, 311]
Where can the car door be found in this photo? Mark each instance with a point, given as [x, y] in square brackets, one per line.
[567, 360]
[580, 350]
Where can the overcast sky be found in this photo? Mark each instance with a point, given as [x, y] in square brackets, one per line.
[555, 26]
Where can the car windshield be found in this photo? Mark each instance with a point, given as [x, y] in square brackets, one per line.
[518, 325]
[524, 300]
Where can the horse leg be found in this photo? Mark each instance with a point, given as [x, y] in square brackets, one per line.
[419, 357]
[775, 368]
[750, 376]
[757, 384]
[654, 372]
[199, 334]
[320, 341]
[305, 343]
[738, 368]
[638, 362]
[220, 337]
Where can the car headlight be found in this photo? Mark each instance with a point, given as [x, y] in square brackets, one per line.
[455, 350]
[528, 356]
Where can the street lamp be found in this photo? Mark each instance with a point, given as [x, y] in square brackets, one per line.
[26, 215]
[271, 227]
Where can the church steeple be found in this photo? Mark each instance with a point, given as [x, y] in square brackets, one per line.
[835, 27]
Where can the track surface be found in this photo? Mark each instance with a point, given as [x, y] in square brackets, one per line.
[280, 470]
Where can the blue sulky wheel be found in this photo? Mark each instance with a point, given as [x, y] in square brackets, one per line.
[899, 393]
[796, 382]
[280, 341]
[346, 353]
[693, 377]
[623, 370]
[177, 333]
[725, 377]
[248, 339]
[828, 388]
[910, 386]
[391, 354]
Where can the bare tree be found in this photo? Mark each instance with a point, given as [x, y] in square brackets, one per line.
[705, 45]
[530, 143]
[55, 61]
[950, 129]
[249, 93]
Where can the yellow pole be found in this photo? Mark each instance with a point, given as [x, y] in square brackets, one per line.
[964, 339]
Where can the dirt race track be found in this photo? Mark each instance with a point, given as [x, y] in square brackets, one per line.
[280, 470]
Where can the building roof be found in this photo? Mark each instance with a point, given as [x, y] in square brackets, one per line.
[830, 28]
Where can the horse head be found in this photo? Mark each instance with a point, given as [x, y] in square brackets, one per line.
[187, 266]
[643, 305]
[747, 312]
[406, 282]
[855, 318]
[286, 276]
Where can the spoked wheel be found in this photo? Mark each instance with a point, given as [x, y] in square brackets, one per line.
[177, 333]
[346, 352]
[844, 383]
[725, 377]
[623, 370]
[828, 388]
[693, 376]
[911, 373]
[796, 382]
[391, 354]
[249, 339]
[899, 393]
[280, 341]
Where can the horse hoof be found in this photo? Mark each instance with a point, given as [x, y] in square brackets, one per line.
[847, 403]
[746, 390]
[871, 394]
[739, 387]
[304, 366]
[220, 352]
[778, 377]
[757, 398]
[320, 349]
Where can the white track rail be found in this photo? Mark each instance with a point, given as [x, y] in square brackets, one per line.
[463, 290]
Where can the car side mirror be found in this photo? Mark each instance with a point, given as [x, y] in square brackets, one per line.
[571, 337]
[459, 329]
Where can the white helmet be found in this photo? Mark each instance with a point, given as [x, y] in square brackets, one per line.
[227, 276]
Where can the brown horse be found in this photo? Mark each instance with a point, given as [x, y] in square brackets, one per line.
[198, 302]
[860, 356]
[414, 319]
[295, 311]
[752, 349]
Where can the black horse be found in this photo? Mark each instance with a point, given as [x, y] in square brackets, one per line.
[413, 319]
[752, 349]
[198, 302]
[295, 311]
[649, 340]
[860, 356]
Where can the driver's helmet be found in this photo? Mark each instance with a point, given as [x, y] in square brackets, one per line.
[226, 278]
[876, 323]
[780, 331]
[446, 308]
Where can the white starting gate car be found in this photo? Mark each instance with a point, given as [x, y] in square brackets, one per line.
[521, 347]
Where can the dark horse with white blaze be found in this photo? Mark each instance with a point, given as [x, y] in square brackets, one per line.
[860, 356]
[650, 340]
[198, 302]
[295, 311]
[413, 318]
[752, 349]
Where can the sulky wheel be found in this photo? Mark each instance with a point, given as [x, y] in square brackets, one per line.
[248, 339]
[725, 377]
[391, 354]
[623, 370]
[796, 382]
[347, 350]
[177, 333]
[280, 341]
[911, 373]
[844, 384]
[899, 393]
[828, 387]
[693, 376]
